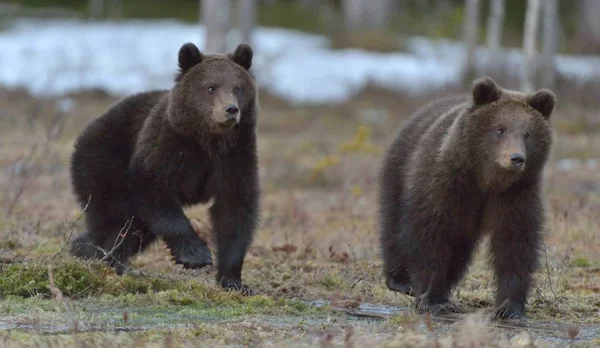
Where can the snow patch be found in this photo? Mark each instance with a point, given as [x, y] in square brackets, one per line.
[53, 57]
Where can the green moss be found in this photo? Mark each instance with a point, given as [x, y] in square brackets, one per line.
[581, 262]
[79, 279]
[331, 282]
[9, 244]
[31, 279]
[132, 284]
[147, 300]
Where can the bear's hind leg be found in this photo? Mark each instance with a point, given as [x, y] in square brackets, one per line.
[398, 280]
[395, 271]
[87, 245]
[124, 243]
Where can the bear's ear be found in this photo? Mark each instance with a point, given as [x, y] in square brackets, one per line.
[189, 55]
[242, 56]
[485, 91]
[543, 101]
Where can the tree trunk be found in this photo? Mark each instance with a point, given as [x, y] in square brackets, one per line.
[216, 18]
[247, 19]
[495, 25]
[470, 34]
[116, 9]
[442, 7]
[308, 4]
[588, 35]
[96, 8]
[353, 14]
[529, 46]
[362, 14]
[550, 43]
[376, 13]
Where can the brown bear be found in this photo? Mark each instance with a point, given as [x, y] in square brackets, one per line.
[461, 167]
[152, 154]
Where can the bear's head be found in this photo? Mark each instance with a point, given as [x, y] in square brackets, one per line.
[213, 92]
[509, 132]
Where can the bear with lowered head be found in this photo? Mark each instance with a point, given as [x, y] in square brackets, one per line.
[460, 168]
[136, 167]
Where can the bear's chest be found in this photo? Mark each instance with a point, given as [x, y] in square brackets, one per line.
[195, 184]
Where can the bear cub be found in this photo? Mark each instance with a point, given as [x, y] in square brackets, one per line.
[136, 167]
[459, 168]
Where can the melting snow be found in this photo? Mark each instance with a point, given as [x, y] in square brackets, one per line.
[52, 57]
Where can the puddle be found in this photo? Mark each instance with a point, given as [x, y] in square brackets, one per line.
[82, 327]
[555, 333]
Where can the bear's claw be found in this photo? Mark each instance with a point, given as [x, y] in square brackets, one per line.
[446, 307]
[508, 311]
[191, 255]
[233, 285]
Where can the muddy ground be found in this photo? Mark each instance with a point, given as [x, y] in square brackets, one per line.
[315, 260]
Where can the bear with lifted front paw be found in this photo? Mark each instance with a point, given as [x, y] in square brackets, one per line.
[459, 168]
[152, 154]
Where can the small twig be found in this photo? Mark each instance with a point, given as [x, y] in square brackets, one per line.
[548, 273]
[72, 227]
[117, 245]
[54, 290]
[20, 191]
[356, 283]
[81, 292]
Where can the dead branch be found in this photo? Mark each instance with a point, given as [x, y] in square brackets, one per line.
[119, 240]
[72, 227]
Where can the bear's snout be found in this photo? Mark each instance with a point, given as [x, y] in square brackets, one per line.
[231, 113]
[512, 153]
[517, 160]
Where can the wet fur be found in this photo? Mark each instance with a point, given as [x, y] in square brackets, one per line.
[441, 190]
[154, 153]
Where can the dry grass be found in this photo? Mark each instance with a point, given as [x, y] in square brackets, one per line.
[317, 238]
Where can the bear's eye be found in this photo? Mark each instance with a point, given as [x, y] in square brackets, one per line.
[236, 90]
[526, 135]
[211, 89]
[500, 131]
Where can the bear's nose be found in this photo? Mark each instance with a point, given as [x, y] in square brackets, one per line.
[517, 159]
[231, 110]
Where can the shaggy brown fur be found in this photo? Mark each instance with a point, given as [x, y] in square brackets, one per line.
[154, 153]
[461, 167]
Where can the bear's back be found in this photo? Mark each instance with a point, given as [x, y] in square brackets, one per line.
[99, 164]
[418, 130]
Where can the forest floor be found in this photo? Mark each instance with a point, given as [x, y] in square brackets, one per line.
[315, 260]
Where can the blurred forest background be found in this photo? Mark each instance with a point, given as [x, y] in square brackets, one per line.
[379, 21]
[540, 28]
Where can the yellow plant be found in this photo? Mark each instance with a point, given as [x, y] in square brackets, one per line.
[357, 190]
[323, 164]
[360, 143]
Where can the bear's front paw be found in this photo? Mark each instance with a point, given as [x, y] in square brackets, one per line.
[509, 310]
[191, 254]
[236, 285]
[403, 287]
[437, 308]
